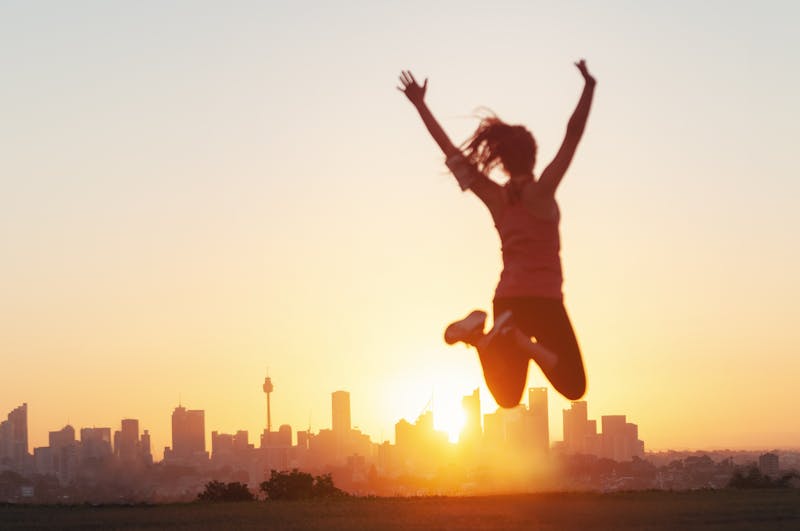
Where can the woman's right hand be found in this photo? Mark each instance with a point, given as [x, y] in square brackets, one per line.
[413, 91]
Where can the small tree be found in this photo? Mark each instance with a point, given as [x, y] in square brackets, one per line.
[296, 485]
[754, 479]
[217, 491]
[324, 487]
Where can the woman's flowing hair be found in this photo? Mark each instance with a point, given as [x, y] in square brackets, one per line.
[498, 143]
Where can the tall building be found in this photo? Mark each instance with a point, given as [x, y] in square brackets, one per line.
[63, 454]
[14, 438]
[341, 411]
[539, 418]
[576, 427]
[419, 446]
[494, 429]
[620, 439]
[188, 433]
[471, 432]
[95, 444]
[145, 454]
[126, 441]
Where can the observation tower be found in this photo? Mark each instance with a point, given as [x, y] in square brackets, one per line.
[268, 389]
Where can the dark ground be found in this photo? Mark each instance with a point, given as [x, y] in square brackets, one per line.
[728, 509]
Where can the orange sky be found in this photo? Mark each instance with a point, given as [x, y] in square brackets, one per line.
[190, 195]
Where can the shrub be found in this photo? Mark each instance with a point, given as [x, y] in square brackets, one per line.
[217, 491]
[296, 485]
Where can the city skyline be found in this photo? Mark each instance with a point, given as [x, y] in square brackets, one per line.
[515, 441]
[194, 438]
[453, 426]
[506, 451]
[192, 192]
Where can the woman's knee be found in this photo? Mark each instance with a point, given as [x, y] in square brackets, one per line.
[507, 398]
[507, 392]
[574, 387]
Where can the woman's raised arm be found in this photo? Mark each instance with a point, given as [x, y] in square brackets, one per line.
[555, 171]
[416, 95]
[466, 174]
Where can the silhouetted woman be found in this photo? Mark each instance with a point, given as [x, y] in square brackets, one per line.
[530, 321]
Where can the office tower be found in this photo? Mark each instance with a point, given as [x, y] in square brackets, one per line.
[576, 427]
[241, 442]
[540, 421]
[620, 439]
[95, 444]
[494, 429]
[283, 437]
[14, 438]
[221, 445]
[63, 437]
[188, 433]
[613, 436]
[341, 411]
[145, 455]
[303, 439]
[63, 454]
[126, 441]
[471, 432]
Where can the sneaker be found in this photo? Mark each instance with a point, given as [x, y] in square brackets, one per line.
[466, 329]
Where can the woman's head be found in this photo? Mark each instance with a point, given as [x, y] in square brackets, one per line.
[496, 142]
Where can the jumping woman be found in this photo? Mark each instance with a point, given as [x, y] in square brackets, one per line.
[530, 321]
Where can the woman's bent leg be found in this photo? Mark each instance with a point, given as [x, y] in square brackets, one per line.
[505, 368]
[547, 321]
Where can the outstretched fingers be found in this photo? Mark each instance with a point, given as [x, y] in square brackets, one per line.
[405, 80]
[584, 70]
[409, 86]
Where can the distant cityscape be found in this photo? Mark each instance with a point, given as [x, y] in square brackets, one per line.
[505, 451]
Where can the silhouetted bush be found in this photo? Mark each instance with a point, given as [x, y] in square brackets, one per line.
[754, 479]
[324, 487]
[296, 485]
[217, 491]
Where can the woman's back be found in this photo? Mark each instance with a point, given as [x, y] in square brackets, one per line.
[530, 244]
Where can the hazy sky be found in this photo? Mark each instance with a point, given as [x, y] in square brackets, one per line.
[192, 193]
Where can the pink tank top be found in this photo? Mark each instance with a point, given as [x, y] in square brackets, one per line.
[530, 246]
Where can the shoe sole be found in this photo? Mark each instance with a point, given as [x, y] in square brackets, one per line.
[457, 331]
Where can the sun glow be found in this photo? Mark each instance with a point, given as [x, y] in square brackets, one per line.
[449, 417]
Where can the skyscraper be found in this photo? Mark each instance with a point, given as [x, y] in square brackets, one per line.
[576, 427]
[188, 433]
[126, 441]
[341, 411]
[63, 454]
[95, 444]
[540, 422]
[471, 432]
[620, 439]
[145, 454]
[14, 438]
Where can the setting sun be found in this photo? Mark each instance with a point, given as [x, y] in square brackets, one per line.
[449, 417]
